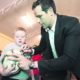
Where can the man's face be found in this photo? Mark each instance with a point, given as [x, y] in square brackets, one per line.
[44, 17]
[20, 37]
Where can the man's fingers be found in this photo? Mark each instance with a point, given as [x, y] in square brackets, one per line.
[28, 50]
[2, 57]
[13, 58]
[15, 70]
[24, 46]
[9, 70]
[17, 55]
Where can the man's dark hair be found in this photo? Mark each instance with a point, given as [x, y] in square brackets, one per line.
[45, 4]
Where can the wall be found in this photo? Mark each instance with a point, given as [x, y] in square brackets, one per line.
[4, 40]
[68, 7]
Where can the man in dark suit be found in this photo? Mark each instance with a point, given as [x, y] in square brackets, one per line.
[60, 37]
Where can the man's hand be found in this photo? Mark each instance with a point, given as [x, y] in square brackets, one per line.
[24, 63]
[9, 71]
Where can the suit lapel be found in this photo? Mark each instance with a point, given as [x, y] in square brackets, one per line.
[58, 31]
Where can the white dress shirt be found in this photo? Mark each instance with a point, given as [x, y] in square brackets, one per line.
[51, 38]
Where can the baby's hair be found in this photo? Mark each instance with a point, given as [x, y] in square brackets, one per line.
[20, 28]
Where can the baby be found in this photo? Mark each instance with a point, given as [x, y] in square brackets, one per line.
[15, 48]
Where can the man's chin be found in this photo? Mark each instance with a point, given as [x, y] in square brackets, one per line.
[45, 27]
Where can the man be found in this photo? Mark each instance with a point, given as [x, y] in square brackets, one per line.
[61, 38]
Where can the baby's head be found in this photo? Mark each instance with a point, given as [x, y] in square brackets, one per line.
[20, 36]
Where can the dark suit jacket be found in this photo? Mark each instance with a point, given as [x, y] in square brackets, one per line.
[67, 44]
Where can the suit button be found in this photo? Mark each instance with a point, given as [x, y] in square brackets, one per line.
[46, 75]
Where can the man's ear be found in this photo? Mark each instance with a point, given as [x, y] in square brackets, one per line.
[50, 11]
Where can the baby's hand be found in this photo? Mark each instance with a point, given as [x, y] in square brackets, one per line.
[26, 49]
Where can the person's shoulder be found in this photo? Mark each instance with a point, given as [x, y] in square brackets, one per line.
[9, 46]
[68, 18]
[67, 21]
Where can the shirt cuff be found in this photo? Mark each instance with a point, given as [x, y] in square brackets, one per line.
[34, 64]
[32, 52]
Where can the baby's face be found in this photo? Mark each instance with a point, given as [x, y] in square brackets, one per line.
[20, 37]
